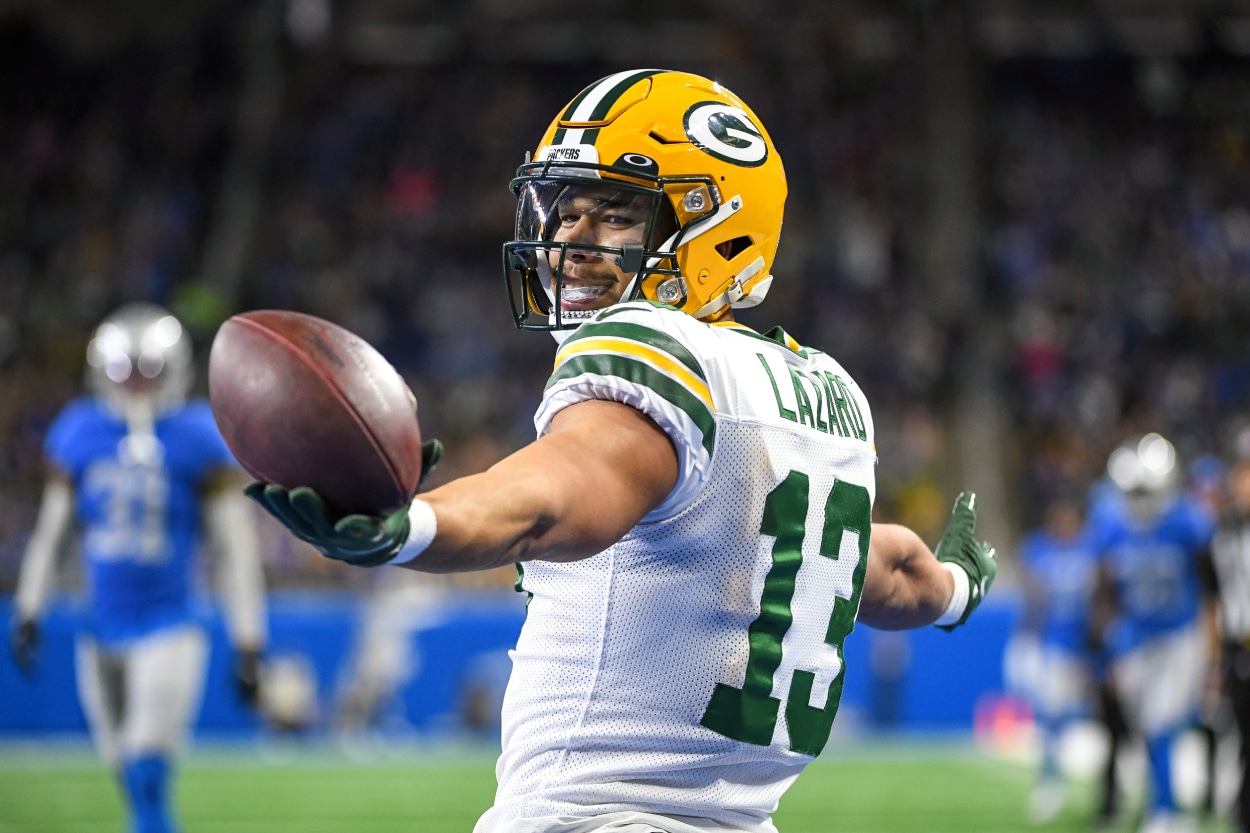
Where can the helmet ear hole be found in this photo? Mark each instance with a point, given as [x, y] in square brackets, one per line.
[732, 248]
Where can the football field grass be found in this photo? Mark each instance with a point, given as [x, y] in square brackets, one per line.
[926, 788]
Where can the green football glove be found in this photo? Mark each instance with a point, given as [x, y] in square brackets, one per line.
[359, 539]
[976, 558]
[362, 540]
[431, 453]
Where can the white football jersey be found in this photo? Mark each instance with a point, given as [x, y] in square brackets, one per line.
[694, 668]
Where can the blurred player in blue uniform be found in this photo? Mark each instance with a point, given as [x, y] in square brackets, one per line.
[1155, 622]
[143, 471]
[1059, 565]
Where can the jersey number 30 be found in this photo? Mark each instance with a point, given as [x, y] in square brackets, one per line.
[749, 714]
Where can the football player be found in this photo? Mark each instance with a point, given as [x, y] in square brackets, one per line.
[1059, 567]
[693, 524]
[1154, 547]
[143, 471]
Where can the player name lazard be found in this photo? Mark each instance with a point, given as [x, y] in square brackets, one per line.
[817, 399]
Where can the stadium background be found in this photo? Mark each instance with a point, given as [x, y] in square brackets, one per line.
[1024, 228]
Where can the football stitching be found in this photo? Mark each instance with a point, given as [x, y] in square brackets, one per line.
[330, 383]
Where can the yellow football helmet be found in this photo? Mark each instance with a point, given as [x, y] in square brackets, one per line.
[688, 150]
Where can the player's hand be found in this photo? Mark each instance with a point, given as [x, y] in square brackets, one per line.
[976, 558]
[431, 453]
[25, 645]
[362, 540]
[247, 675]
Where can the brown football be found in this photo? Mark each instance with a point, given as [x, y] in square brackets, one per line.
[303, 402]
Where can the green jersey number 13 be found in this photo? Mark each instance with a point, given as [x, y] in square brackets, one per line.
[749, 714]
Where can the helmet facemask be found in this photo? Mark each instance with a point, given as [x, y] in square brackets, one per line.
[139, 365]
[585, 242]
[1146, 473]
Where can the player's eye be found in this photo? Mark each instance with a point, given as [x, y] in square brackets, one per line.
[621, 219]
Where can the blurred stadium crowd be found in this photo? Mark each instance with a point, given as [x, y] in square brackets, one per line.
[1111, 232]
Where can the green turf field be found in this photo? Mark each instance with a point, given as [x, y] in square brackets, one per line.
[897, 789]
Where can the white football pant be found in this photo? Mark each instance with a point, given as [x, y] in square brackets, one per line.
[1160, 682]
[141, 699]
[1057, 683]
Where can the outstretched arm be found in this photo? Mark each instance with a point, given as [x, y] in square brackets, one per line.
[907, 586]
[568, 496]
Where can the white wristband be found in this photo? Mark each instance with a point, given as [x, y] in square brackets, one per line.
[959, 598]
[422, 525]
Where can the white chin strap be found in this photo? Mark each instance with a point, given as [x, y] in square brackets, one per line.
[735, 296]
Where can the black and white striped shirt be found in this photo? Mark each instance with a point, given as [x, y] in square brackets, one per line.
[1230, 554]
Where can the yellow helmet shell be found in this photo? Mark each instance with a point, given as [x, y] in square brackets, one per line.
[693, 132]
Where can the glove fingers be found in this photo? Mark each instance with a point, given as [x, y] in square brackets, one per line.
[275, 500]
[267, 495]
[964, 512]
[311, 509]
[431, 453]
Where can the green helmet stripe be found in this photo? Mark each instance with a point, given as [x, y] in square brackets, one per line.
[567, 115]
[594, 103]
[605, 104]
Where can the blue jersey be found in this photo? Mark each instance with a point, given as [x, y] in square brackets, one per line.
[1064, 572]
[1154, 568]
[140, 518]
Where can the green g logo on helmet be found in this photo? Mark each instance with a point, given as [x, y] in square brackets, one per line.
[726, 132]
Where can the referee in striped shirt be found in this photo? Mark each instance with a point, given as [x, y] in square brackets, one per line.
[1231, 558]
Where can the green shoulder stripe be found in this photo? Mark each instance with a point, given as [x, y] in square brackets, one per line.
[643, 374]
[643, 335]
[774, 336]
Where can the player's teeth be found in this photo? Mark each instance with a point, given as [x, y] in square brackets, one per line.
[577, 294]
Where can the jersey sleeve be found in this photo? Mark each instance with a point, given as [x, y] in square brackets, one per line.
[630, 356]
[65, 443]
